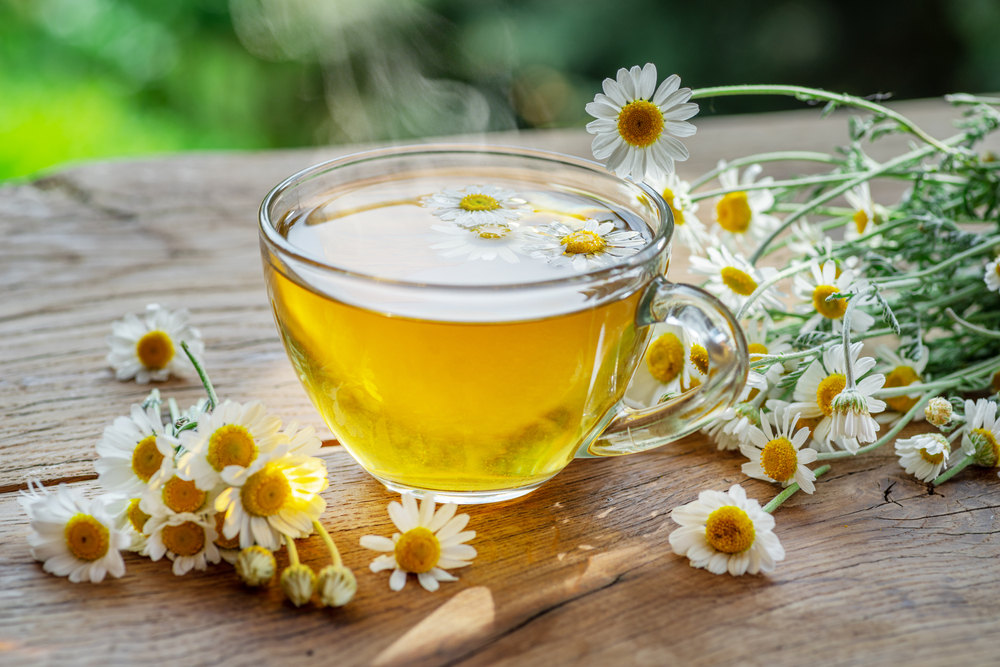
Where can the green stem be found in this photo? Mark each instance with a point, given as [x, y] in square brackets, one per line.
[792, 488]
[987, 333]
[946, 382]
[293, 553]
[801, 93]
[893, 432]
[955, 259]
[808, 180]
[804, 156]
[954, 470]
[334, 553]
[213, 400]
[954, 297]
[781, 275]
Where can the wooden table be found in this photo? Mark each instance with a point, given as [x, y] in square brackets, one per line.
[878, 570]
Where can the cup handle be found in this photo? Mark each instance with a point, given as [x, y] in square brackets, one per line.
[629, 430]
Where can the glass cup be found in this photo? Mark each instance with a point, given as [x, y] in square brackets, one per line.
[480, 393]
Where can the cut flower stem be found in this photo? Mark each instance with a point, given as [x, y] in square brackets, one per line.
[792, 488]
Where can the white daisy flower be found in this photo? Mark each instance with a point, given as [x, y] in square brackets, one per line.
[232, 435]
[733, 279]
[991, 274]
[900, 372]
[168, 493]
[150, 349]
[427, 544]
[72, 536]
[924, 455]
[732, 429]
[485, 242]
[866, 212]
[277, 495]
[132, 450]
[726, 532]
[688, 229]
[758, 343]
[775, 456]
[477, 205]
[826, 280]
[823, 381]
[596, 245]
[981, 433]
[742, 216]
[635, 121]
[664, 369]
[808, 240]
[132, 520]
[186, 539]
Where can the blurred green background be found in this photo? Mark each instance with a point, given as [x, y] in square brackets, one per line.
[82, 79]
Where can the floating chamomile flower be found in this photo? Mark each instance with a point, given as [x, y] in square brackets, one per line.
[185, 538]
[823, 381]
[596, 245]
[635, 121]
[231, 435]
[923, 456]
[991, 274]
[72, 536]
[827, 280]
[733, 279]
[726, 532]
[742, 215]
[132, 450]
[486, 242]
[688, 229]
[776, 456]
[278, 494]
[150, 349]
[477, 205]
[428, 542]
[900, 372]
[981, 433]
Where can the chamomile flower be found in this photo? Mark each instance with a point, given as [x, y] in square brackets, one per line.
[132, 450]
[688, 229]
[168, 493]
[185, 538]
[900, 372]
[827, 280]
[486, 242]
[594, 246]
[665, 367]
[72, 536]
[132, 521]
[732, 429]
[866, 212]
[759, 342]
[742, 216]
[991, 274]
[429, 541]
[726, 532]
[278, 494]
[733, 279]
[939, 411]
[981, 433]
[233, 434]
[229, 547]
[637, 123]
[808, 240]
[924, 455]
[150, 349]
[477, 205]
[823, 381]
[776, 455]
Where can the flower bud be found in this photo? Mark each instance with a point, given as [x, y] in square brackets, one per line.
[938, 411]
[255, 565]
[337, 586]
[298, 582]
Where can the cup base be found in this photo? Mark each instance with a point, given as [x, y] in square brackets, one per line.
[463, 497]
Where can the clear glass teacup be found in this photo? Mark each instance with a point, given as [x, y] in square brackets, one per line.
[474, 373]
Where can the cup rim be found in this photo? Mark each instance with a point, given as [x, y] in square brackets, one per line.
[659, 242]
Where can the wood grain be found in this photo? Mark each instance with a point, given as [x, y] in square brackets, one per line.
[580, 572]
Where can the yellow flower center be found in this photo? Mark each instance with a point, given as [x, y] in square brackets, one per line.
[995, 382]
[901, 376]
[699, 357]
[86, 537]
[756, 348]
[136, 516]
[182, 496]
[490, 231]
[828, 390]
[221, 541]
[738, 281]
[478, 203]
[861, 221]
[186, 539]
[982, 439]
[933, 459]
[668, 196]
[779, 460]
[665, 358]
[146, 458]
[417, 550]
[582, 242]
[996, 269]
[733, 212]
[231, 445]
[831, 310]
[729, 530]
[266, 492]
[155, 350]
[808, 422]
[640, 123]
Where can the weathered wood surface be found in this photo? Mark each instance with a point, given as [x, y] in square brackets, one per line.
[580, 572]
